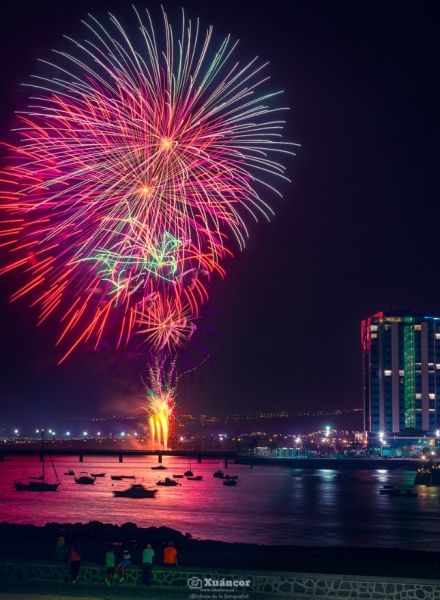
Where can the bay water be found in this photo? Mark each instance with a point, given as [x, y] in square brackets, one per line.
[270, 505]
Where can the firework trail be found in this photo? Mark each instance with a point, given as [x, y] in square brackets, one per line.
[161, 390]
[137, 166]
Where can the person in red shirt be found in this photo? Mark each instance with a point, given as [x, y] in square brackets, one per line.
[170, 556]
[75, 560]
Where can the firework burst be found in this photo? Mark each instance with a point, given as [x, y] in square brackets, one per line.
[135, 167]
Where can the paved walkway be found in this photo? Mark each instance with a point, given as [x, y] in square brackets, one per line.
[47, 590]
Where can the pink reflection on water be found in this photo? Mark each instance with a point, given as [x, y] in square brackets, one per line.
[268, 506]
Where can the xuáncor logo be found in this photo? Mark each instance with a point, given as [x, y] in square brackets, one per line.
[205, 583]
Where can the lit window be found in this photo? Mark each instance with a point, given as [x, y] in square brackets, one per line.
[432, 396]
[437, 336]
[401, 373]
[418, 327]
[437, 366]
[374, 328]
[418, 396]
[374, 335]
[387, 373]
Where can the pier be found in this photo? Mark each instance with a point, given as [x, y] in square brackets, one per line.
[14, 450]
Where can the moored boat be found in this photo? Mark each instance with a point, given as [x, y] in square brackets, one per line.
[230, 482]
[189, 473]
[97, 474]
[344, 476]
[389, 492]
[36, 486]
[39, 483]
[116, 477]
[219, 474]
[159, 468]
[168, 482]
[85, 479]
[136, 490]
[70, 472]
[392, 492]
[197, 478]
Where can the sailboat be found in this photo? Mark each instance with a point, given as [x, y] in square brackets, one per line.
[189, 473]
[39, 484]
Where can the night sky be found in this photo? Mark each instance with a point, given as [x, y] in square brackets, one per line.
[355, 232]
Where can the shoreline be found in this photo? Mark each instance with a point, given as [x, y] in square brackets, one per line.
[26, 542]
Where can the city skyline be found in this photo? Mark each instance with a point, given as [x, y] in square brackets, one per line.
[355, 232]
[135, 424]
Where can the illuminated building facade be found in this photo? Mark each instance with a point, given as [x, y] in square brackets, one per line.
[401, 363]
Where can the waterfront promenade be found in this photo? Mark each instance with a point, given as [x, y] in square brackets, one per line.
[52, 582]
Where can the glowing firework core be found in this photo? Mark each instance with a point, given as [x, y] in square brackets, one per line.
[161, 398]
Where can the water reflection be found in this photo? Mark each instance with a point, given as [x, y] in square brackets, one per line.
[270, 505]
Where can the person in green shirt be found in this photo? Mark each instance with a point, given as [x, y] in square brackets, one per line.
[147, 564]
[110, 564]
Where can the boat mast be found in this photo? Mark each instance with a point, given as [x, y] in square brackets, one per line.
[42, 450]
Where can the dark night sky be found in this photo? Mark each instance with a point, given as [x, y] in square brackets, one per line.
[356, 231]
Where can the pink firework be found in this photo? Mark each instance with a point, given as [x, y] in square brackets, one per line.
[136, 168]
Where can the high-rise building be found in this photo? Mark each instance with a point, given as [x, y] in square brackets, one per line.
[401, 358]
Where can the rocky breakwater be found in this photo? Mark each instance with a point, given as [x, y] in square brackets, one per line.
[28, 542]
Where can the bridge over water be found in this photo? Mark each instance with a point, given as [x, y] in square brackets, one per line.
[331, 463]
[199, 455]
